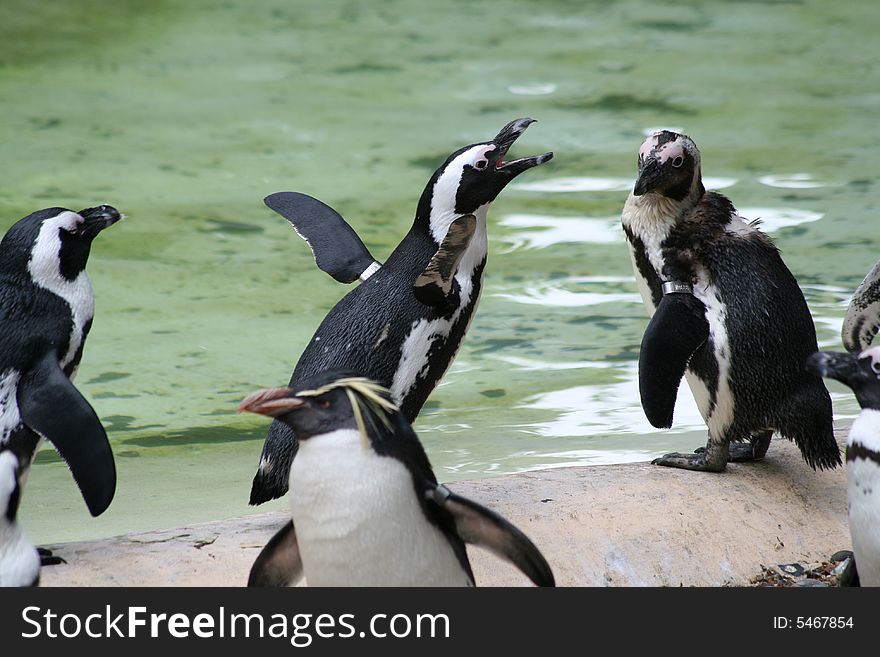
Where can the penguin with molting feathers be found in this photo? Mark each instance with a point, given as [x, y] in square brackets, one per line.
[19, 560]
[726, 313]
[46, 311]
[862, 320]
[403, 325]
[366, 507]
[861, 372]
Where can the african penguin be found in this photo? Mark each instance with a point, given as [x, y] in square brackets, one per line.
[862, 320]
[403, 325]
[861, 372]
[726, 313]
[46, 310]
[366, 507]
[19, 560]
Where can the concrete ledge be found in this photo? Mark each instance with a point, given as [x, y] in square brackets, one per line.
[618, 525]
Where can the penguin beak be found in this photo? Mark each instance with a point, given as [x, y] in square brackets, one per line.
[853, 370]
[504, 140]
[273, 402]
[97, 219]
[650, 177]
[842, 367]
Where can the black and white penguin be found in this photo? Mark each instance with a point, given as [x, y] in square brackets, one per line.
[366, 507]
[19, 560]
[403, 325]
[46, 311]
[862, 320]
[726, 313]
[861, 372]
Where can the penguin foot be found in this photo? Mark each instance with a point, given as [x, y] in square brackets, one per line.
[712, 458]
[754, 450]
[47, 558]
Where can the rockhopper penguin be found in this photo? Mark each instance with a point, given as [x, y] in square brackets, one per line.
[366, 507]
[861, 372]
[46, 310]
[726, 313]
[403, 325]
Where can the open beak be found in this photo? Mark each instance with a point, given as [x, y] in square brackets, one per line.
[504, 140]
[97, 219]
[273, 402]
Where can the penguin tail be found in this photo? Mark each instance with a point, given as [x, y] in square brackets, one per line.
[809, 424]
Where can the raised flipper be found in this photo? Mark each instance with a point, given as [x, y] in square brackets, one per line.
[337, 249]
[862, 319]
[434, 285]
[478, 525]
[279, 563]
[50, 405]
[677, 329]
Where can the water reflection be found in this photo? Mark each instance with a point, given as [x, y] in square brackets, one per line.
[608, 409]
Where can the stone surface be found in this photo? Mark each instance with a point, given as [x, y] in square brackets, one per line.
[617, 525]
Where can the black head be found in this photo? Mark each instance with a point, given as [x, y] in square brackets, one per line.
[472, 177]
[669, 165]
[861, 372]
[55, 239]
[324, 403]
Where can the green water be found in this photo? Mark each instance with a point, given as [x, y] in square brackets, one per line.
[184, 115]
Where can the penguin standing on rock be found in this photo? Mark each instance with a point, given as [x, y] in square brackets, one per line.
[403, 325]
[861, 372]
[726, 313]
[366, 507]
[46, 310]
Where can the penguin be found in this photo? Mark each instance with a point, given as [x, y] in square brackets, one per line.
[19, 560]
[46, 311]
[862, 320]
[861, 372]
[366, 507]
[402, 326]
[726, 313]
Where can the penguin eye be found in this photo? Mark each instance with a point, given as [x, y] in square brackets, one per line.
[678, 161]
[481, 164]
[324, 404]
[876, 367]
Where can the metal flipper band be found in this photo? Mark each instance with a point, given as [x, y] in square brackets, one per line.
[677, 287]
[440, 494]
[369, 271]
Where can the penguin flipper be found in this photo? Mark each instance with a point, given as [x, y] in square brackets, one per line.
[677, 329]
[435, 284]
[480, 526]
[50, 405]
[279, 563]
[337, 248]
[862, 319]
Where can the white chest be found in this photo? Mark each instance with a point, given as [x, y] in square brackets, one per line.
[414, 361]
[358, 521]
[19, 561]
[9, 415]
[863, 477]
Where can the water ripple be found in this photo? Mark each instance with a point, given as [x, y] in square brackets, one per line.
[794, 181]
[555, 230]
[609, 408]
[553, 293]
[773, 219]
